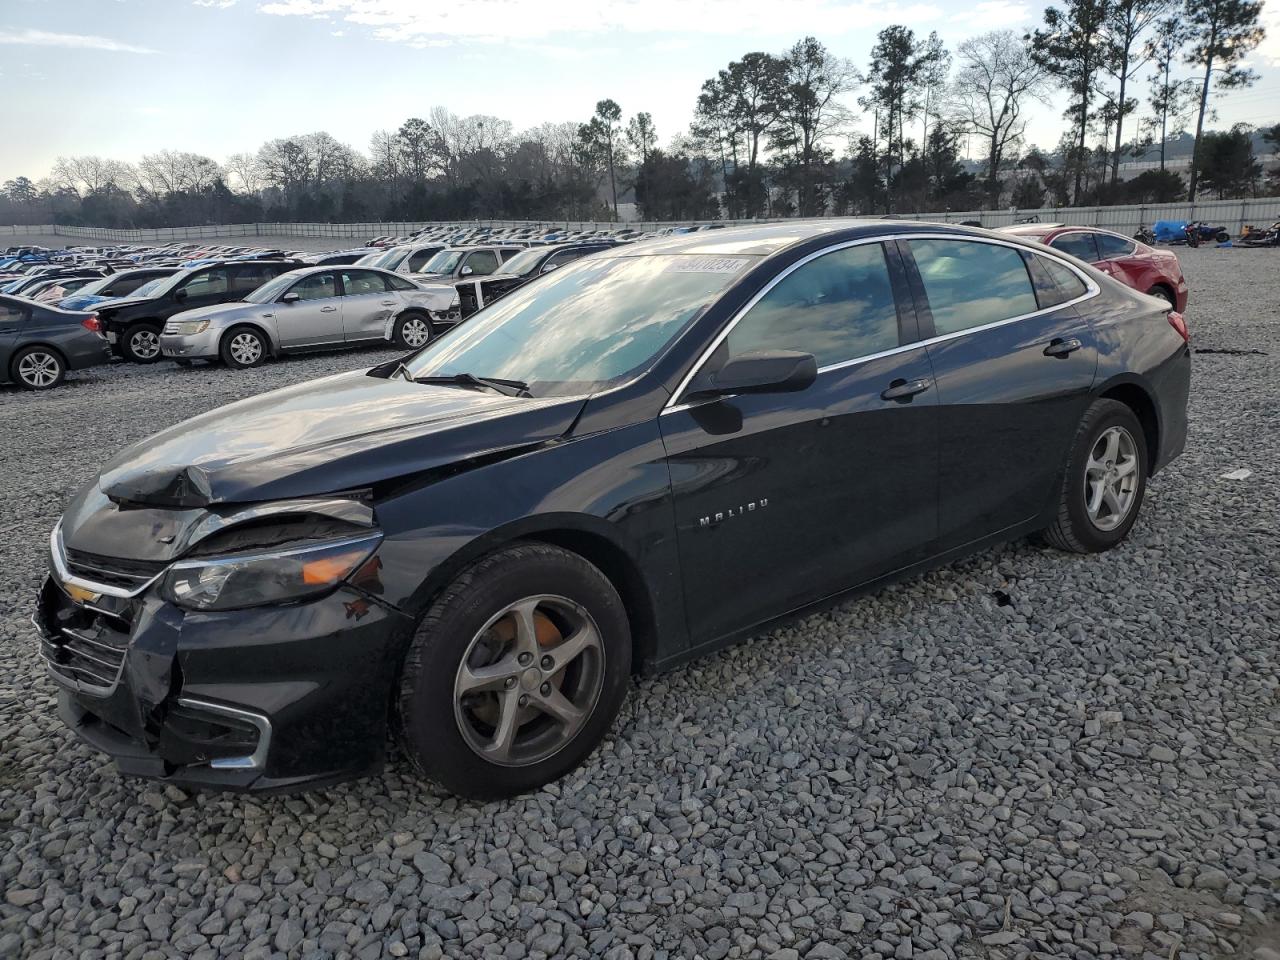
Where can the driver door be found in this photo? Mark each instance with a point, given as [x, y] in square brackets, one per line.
[783, 499]
[315, 317]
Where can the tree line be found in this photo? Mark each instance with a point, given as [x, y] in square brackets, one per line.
[773, 134]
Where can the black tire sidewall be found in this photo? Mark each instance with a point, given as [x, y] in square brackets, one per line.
[224, 348]
[410, 315]
[428, 726]
[126, 347]
[17, 358]
[1102, 416]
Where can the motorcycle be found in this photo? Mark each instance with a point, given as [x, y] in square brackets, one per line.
[1145, 235]
[1198, 230]
[1261, 238]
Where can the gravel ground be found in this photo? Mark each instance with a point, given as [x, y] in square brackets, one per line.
[1021, 754]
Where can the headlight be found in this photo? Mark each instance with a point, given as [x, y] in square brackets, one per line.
[274, 576]
[189, 328]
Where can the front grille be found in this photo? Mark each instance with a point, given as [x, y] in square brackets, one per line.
[112, 571]
[82, 646]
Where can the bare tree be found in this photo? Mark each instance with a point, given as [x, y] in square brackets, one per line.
[89, 174]
[997, 82]
[247, 170]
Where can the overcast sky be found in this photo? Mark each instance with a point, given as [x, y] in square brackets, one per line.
[126, 77]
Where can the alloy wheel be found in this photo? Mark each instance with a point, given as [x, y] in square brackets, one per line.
[529, 680]
[415, 331]
[145, 344]
[246, 348]
[1111, 478]
[39, 369]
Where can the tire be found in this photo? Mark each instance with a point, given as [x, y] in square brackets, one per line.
[243, 347]
[37, 368]
[1163, 293]
[1222, 236]
[413, 330]
[1094, 461]
[141, 343]
[452, 736]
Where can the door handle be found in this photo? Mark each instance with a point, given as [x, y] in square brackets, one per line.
[904, 389]
[388, 303]
[1058, 347]
[328, 309]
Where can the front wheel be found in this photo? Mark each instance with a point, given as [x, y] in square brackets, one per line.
[515, 674]
[243, 347]
[1222, 236]
[1105, 482]
[38, 368]
[412, 331]
[141, 343]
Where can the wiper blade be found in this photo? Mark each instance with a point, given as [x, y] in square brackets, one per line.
[511, 388]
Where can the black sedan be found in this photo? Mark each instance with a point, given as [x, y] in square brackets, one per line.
[40, 343]
[642, 457]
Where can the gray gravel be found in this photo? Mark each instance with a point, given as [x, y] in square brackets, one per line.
[1021, 754]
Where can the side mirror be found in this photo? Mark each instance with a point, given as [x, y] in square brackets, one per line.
[466, 272]
[180, 294]
[759, 371]
[290, 297]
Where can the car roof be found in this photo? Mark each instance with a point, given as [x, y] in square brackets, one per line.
[770, 238]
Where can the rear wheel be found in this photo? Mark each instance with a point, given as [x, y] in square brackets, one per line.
[1222, 236]
[243, 347]
[37, 368]
[141, 343]
[1165, 294]
[1105, 482]
[515, 674]
[413, 330]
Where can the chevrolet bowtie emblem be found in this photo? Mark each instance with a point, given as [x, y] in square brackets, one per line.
[80, 594]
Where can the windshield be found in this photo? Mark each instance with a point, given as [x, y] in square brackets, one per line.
[148, 288]
[370, 259]
[523, 264]
[442, 262]
[165, 284]
[271, 290]
[587, 326]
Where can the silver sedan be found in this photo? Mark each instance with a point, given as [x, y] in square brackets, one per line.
[315, 308]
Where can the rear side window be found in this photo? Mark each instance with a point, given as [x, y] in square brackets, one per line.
[1079, 245]
[970, 284]
[396, 283]
[10, 313]
[1055, 283]
[838, 307]
[1110, 247]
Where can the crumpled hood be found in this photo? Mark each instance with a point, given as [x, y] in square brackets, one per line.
[340, 433]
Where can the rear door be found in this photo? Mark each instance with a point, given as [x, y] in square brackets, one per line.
[782, 499]
[315, 318]
[1013, 366]
[367, 303]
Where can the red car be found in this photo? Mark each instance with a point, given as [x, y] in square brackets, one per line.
[1131, 262]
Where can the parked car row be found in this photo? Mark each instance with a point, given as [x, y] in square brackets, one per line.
[242, 306]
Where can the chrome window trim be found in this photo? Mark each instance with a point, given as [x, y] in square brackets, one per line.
[256, 760]
[1091, 291]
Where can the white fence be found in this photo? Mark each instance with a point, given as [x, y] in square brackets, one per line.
[1232, 214]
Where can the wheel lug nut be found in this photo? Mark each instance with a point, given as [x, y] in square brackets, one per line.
[526, 659]
[511, 682]
[545, 689]
[524, 699]
[548, 662]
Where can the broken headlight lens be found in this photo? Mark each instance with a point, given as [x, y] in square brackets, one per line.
[272, 576]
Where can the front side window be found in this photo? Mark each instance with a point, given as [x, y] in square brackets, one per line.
[1110, 247]
[970, 284]
[211, 283]
[837, 307]
[1079, 245]
[585, 327]
[482, 263]
[318, 286]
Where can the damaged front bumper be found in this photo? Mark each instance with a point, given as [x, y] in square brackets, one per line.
[263, 699]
